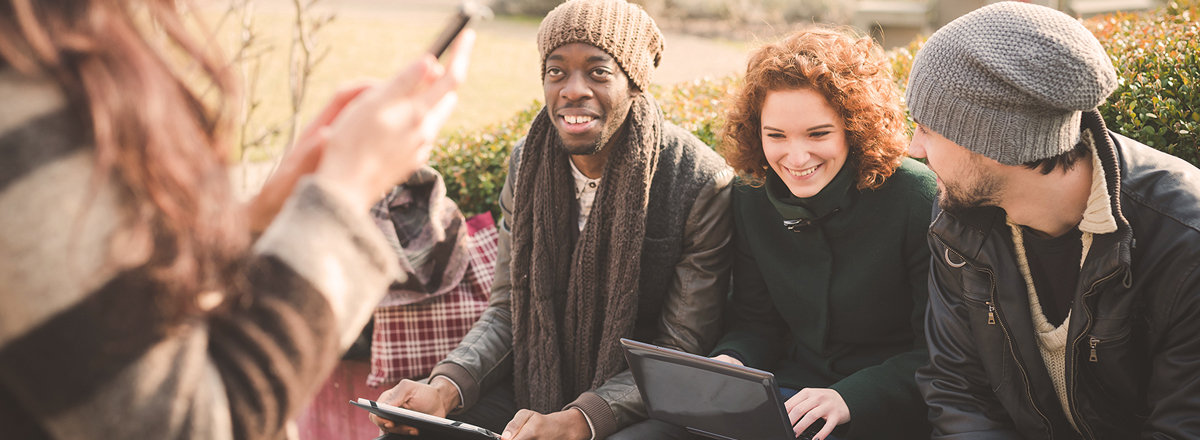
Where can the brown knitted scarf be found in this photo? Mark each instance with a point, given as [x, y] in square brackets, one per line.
[570, 309]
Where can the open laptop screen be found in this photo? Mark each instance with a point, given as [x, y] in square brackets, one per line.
[708, 397]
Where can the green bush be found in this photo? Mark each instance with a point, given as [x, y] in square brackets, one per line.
[1157, 56]
[697, 105]
[902, 58]
[474, 163]
[1157, 101]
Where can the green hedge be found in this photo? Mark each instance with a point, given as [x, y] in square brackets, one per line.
[697, 105]
[1157, 101]
[1157, 55]
[474, 163]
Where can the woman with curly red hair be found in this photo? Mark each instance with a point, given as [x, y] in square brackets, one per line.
[830, 267]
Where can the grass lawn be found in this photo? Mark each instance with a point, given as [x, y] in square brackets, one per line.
[503, 77]
[376, 38]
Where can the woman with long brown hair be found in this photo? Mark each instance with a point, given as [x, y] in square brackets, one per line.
[830, 265]
[135, 300]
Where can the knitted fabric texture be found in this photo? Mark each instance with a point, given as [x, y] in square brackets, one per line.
[617, 27]
[1052, 341]
[571, 307]
[1098, 218]
[1010, 81]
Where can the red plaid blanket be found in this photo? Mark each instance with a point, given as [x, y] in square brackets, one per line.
[410, 339]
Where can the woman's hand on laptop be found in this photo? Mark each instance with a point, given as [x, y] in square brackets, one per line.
[728, 359]
[434, 399]
[811, 404]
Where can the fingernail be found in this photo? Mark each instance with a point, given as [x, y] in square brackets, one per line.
[388, 425]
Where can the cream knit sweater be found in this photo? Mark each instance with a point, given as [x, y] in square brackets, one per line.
[1052, 341]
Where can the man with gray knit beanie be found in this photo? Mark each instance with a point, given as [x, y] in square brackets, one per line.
[1065, 285]
[615, 225]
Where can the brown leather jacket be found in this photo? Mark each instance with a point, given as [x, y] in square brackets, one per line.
[686, 317]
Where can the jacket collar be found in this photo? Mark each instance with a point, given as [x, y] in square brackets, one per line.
[1098, 216]
[834, 195]
[1110, 246]
[1112, 234]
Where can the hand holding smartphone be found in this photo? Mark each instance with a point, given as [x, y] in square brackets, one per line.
[393, 123]
[466, 11]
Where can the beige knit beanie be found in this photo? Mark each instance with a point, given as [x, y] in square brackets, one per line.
[622, 29]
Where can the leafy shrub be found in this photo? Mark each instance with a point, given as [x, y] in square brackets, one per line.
[1157, 56]
[697, 105]
[1157, 101]
[902, 59]
[474, 163]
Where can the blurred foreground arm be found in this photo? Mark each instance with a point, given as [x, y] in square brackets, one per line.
[321, 265]
[87, 347]
[370, 136]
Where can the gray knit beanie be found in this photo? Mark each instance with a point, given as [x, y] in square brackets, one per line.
[618, 27]
[1010, 81]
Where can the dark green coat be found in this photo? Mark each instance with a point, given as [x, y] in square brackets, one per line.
[841, 305]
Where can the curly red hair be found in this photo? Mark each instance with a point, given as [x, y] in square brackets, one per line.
[851, 73]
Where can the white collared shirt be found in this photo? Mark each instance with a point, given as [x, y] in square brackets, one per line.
[585, 193]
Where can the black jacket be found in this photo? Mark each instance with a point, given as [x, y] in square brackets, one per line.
[1133, 353]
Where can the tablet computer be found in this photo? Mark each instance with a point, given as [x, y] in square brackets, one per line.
[430, 426]
[709, 397]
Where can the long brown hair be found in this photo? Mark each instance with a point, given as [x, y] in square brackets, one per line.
[851, 73]
[152, 134]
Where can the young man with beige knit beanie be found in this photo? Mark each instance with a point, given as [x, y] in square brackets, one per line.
[1065, 284]
[615, 226]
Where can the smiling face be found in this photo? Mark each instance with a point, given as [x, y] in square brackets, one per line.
[964, 179]
[587, 95]
[803, 140]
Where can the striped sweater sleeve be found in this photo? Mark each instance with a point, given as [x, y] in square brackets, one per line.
[84, 349]
[317, 274]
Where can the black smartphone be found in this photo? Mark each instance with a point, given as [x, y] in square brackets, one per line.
[466, 11]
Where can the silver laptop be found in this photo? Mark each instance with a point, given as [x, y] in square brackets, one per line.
[709, 397]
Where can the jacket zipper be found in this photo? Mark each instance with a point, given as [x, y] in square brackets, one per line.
[1008, 338]
[1016, 359]
[1079, 422]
